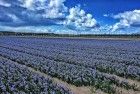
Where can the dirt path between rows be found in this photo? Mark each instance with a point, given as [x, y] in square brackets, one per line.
[74, 89]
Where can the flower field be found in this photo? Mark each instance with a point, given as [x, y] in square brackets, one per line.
[106, 65]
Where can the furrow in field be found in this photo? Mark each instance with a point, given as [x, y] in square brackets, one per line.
[75, 89]
[103, 77]
[101, 55]
[72, 88]
[101, 66]
[71, 47]
[18, 79]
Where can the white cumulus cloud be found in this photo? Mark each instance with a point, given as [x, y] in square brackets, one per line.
[28, 3]
[55, 9]
[127, 19]
[49, 8]
[79, 18]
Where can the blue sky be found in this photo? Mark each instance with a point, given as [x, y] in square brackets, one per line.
[71, 16]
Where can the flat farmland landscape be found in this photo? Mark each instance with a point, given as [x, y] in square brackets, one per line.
[35, 65]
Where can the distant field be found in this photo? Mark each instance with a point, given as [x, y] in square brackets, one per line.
[65, 65]
[88, 38]
[85, 36]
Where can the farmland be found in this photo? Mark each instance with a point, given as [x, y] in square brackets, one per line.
[30, 65]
